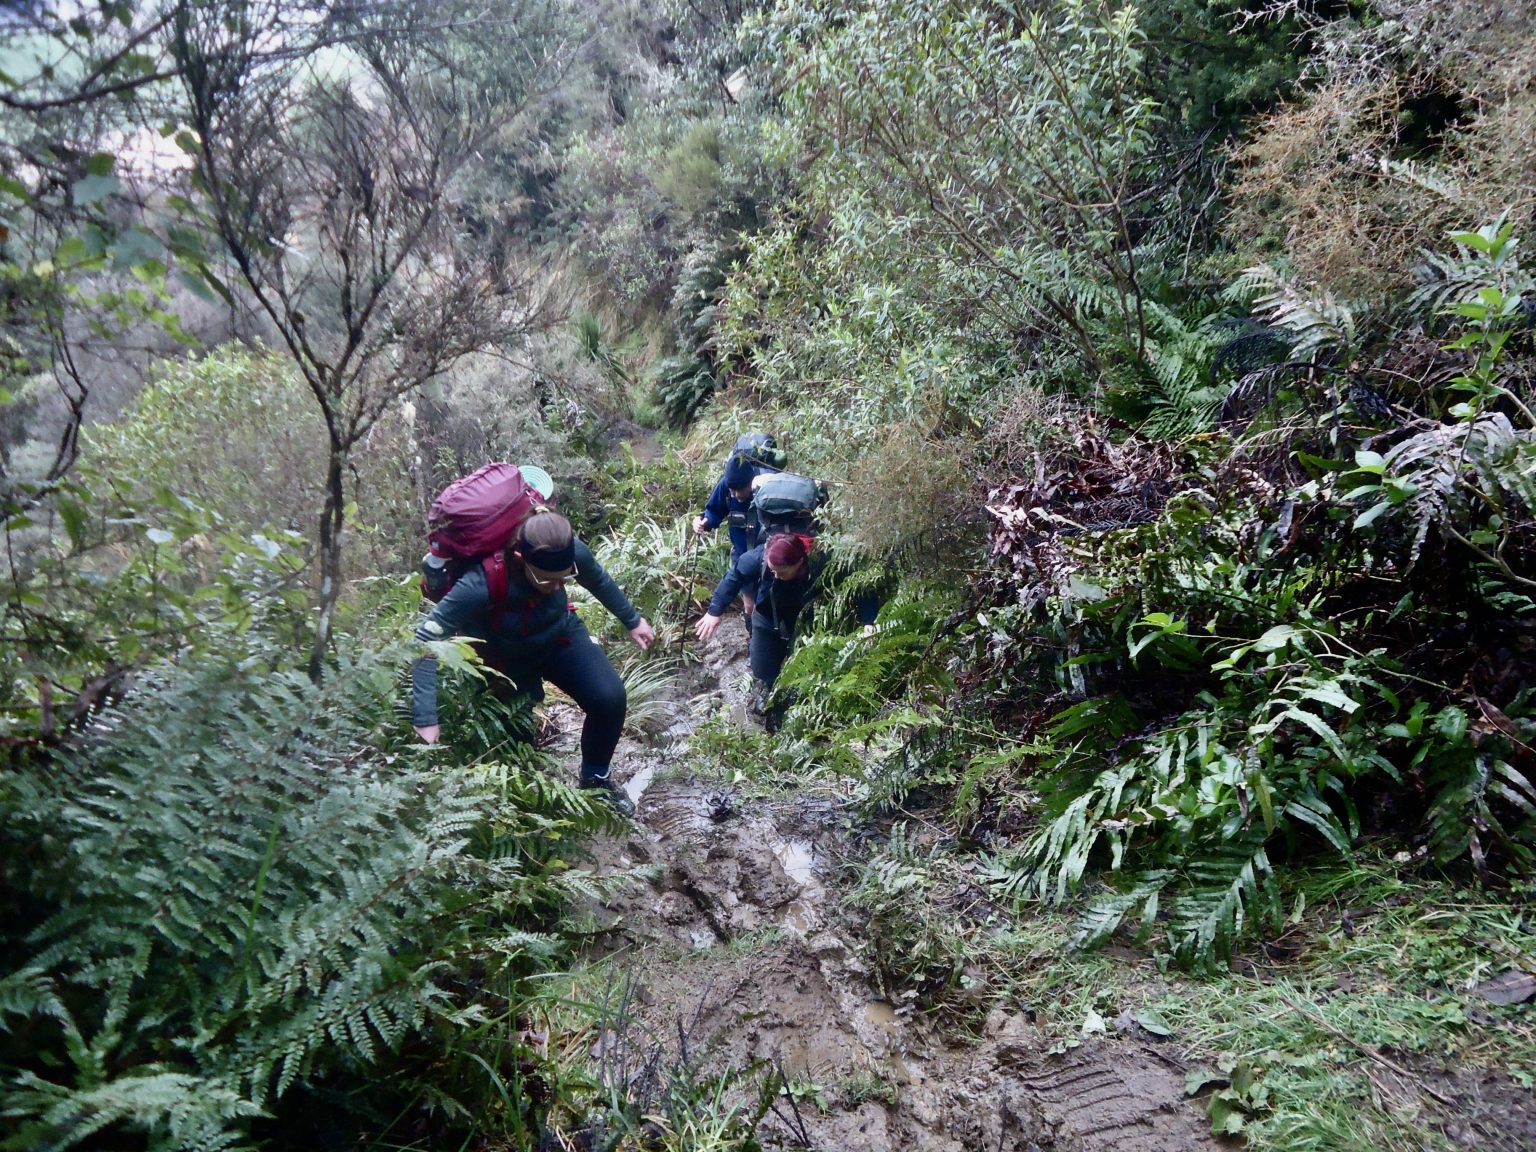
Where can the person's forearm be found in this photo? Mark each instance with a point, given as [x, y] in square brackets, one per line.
[424, 692]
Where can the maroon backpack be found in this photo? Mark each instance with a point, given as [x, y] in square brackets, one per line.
[472, 521]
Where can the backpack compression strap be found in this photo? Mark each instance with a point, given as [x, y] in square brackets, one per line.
[495, 565]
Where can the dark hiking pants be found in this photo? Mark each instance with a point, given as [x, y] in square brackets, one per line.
[582, 670]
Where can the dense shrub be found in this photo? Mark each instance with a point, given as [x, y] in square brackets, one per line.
[1228, 655]
[230, 896]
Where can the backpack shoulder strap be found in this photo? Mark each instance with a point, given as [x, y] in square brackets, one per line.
[495, 566]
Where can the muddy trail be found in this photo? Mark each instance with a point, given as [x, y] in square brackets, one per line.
[736, 954]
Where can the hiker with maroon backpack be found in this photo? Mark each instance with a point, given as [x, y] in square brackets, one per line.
[513, 599]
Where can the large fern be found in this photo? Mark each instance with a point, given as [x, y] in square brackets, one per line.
[1318, 322]
[1180, 826]
[243, 896]
[1182, 394]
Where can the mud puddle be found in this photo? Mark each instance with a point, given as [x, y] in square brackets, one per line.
[738, 953]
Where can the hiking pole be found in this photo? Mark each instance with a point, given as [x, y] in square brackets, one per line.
[693, 572]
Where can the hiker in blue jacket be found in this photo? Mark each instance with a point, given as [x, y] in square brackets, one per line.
[534, 635]
[786, 575]
[731, 502]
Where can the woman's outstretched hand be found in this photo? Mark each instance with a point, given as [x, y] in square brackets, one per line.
[706, 626]
[641, 633]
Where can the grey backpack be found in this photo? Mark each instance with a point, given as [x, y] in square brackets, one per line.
[785, 502]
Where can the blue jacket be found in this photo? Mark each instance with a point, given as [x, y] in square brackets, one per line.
[722, 507]
[528, 622]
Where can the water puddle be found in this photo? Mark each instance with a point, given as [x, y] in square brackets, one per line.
[798, 859]
[905, 1069]
[636, 785]
[800, 917]
[884, 1018]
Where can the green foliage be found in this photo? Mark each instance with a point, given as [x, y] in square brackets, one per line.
[1241, 675]
[1211, 64]
[650, 684]
[231, 431]
[690, 175]
[234, 889]
[1199, 800]
[903, 890]
[669, 1093]
[1316, 322]
[93, 252]
[871, 704]
[665, 568]
[989, 158]
[1173, 393]
[114, 585]
[233, 892]
[682, 385]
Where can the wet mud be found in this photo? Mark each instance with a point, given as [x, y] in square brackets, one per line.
[735, 956]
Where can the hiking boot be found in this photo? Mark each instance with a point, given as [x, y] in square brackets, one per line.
[757, 699]
[617, 798]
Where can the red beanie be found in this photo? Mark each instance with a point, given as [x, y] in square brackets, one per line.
[787, 550]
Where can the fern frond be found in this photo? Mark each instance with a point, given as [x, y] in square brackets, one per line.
[1462, 814]
[1433, 462]
[30, 992]
[1433, 179]
[1447, 279]
[1317, 322]
[238, 881]
[1228, 886]
[187, 1111]
[1104, 915]
[601, 888]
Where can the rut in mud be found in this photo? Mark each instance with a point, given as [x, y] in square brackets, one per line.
[737, 952]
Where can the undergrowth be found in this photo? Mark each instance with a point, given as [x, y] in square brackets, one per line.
[1332, 1035]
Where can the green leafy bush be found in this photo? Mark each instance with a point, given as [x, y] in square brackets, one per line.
[228, 893]
[103, 586]
[1245, 661]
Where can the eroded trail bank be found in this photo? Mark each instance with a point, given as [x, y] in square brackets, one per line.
[737, 954]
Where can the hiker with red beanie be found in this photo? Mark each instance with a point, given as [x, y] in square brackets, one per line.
[784, 573]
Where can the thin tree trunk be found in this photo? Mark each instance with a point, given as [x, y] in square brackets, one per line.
[332, 521]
